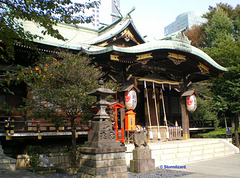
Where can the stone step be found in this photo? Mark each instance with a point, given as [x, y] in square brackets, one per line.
[185, 151]
[7, 160]
[1, 150]
[6, 163]
[9, 167]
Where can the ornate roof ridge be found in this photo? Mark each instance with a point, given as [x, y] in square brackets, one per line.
[178, 36]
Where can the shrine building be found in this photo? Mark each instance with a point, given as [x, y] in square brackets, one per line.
[160, 71]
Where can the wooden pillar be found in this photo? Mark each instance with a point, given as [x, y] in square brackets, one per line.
[122, 111]
[185, 119]
[170, 117]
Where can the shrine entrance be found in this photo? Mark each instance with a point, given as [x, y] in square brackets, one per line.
[163, 101]
[162, 71]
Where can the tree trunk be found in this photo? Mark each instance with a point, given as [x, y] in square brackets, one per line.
[74, 144]
[236, 130]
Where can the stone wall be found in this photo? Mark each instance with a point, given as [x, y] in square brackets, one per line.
[57, 155]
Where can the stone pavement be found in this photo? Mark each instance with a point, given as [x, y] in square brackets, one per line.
[228, 166]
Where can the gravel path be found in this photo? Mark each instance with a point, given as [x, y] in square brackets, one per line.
[165, 173]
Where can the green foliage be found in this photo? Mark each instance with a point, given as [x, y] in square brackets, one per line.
[226, 52]
[205, 111]
[217, 133]
[227, 90]
[44, 13]
[34, 151]
[219, 38]
[205, 108]
[219, 27]
[61, 90]
[224, 48]
[223, 22]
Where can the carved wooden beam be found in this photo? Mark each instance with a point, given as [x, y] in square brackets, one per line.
[114, 57]
[204, 69]
[176, 58]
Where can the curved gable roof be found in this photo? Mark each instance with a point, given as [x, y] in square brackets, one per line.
[115, 29]
[161, 45]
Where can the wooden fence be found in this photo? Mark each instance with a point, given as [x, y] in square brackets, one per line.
[10, 126]
[175, 132]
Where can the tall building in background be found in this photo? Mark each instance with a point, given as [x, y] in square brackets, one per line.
[185, 20]
[103, 13]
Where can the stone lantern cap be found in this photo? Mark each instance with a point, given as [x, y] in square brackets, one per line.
[102, 103]
[101, 91]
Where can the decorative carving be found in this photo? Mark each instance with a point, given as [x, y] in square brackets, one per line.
[204, 69]
[144, 58]
[178, 36]
[114, 57]
[112, 135]
[140, 139]
[127, 35]
[103, 44]
[103, 135]
[106, 126]
[176, 58]
[107, 135]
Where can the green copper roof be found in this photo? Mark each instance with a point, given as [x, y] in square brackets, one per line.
[115, 29]
[159, 45]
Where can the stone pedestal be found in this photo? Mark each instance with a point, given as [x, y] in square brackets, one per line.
[101, 155]
[142, 160]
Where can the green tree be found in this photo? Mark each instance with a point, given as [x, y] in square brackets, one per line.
[218, 28]
[227, 95]
[205, 109]
[222, 33]
[46, 13]
[221, 42]
[60, 90]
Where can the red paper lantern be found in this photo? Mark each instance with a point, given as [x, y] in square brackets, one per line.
[131, 100]
[191, 103]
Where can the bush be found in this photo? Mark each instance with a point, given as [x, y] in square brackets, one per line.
[34, 151]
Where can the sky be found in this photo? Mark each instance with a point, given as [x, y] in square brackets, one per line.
[151, 16]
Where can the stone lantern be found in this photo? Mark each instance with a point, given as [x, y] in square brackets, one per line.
[102, 103]
[102, 155]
